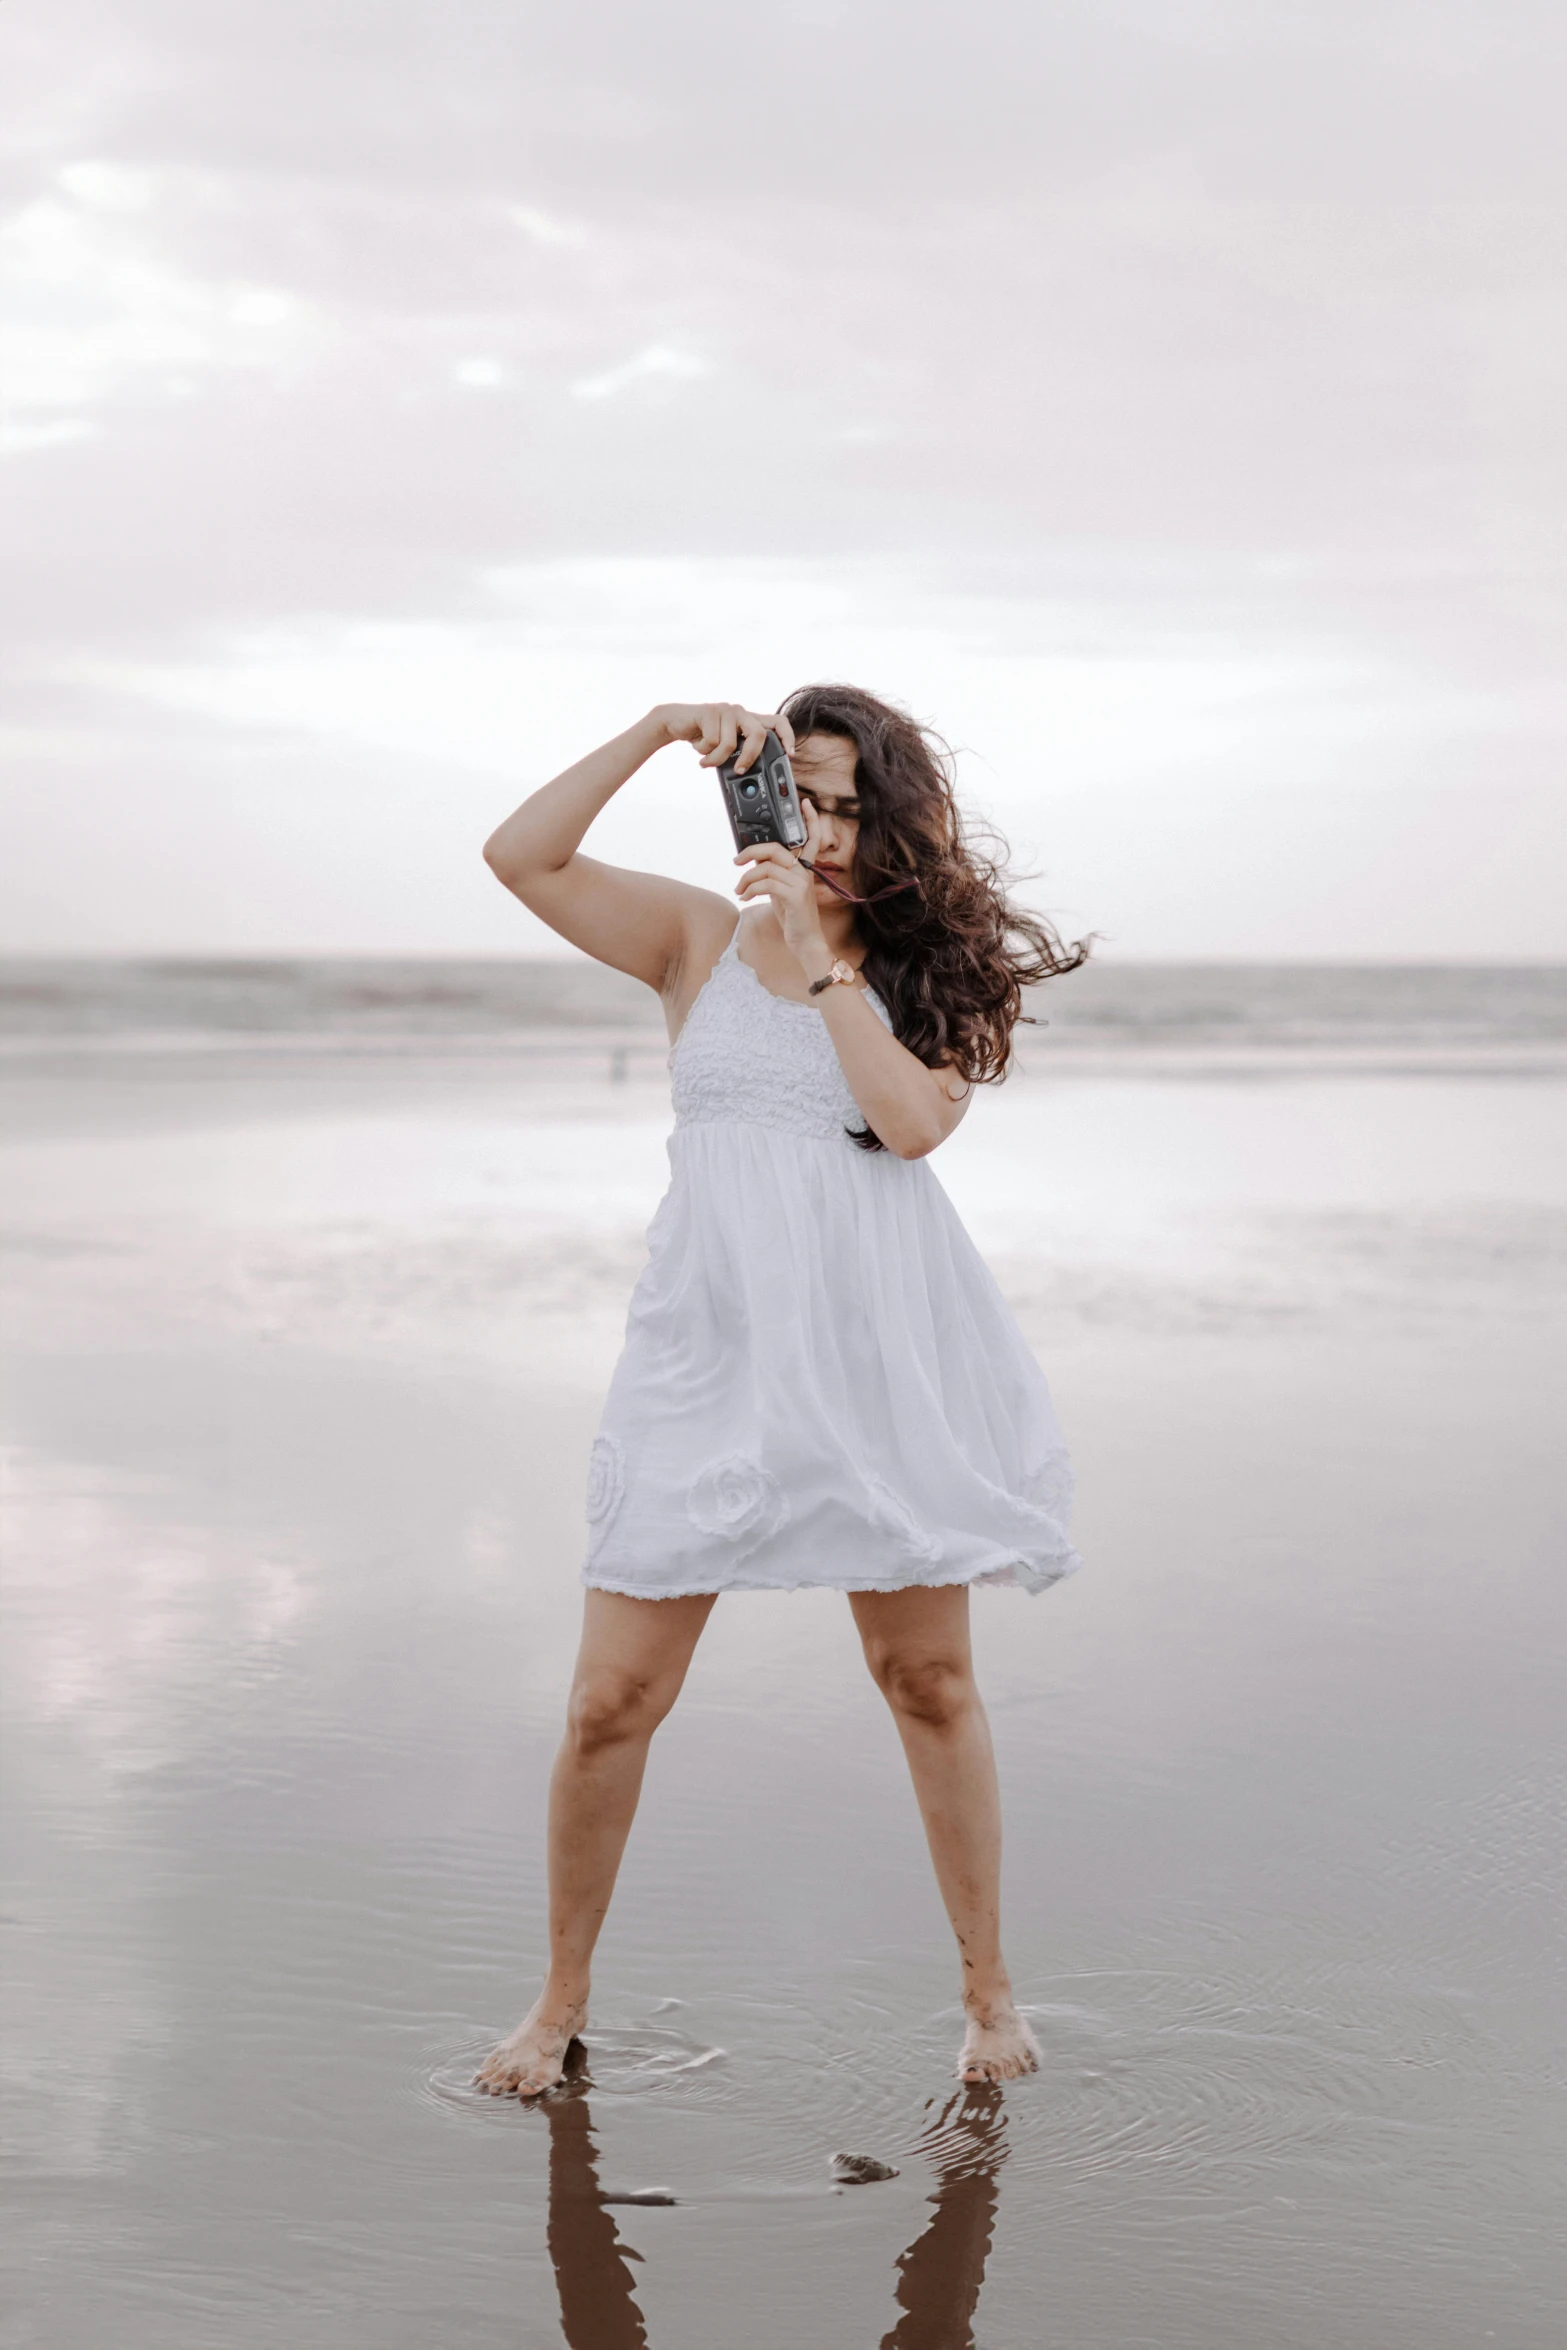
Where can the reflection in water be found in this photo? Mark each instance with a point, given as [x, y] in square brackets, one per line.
[598, 2310]
[940, 2274]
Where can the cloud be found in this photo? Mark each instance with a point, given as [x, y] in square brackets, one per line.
[656, 360]
[543, 228]
[97, 311]
[1141, 346]
[106, 187]
[480, 375]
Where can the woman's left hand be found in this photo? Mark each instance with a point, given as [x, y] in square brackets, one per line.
[777, 873]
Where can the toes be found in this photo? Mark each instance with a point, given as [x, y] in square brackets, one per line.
[495, 2080]
[1008, 2067]
[507, 2076]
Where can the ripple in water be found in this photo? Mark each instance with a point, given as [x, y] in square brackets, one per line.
[1225, 2079]
[1205, 2081]
[1209, 2079]
[616, 2061]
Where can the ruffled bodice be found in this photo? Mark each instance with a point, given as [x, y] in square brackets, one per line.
[748, 1057]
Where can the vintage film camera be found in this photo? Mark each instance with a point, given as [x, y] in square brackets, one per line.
[762, 804]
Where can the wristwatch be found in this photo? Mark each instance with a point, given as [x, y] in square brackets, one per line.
[842, 974]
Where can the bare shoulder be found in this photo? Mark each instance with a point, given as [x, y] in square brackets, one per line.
[708, 924]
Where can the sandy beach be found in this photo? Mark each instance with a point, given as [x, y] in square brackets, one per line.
[304, 1358]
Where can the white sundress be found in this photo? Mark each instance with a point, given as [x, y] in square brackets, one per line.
[821, 1383]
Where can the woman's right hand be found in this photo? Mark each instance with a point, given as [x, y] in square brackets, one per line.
[718, 729]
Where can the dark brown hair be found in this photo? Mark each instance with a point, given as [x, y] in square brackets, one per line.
[949, 959]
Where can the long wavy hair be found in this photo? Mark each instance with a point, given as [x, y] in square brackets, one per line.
[949, 959]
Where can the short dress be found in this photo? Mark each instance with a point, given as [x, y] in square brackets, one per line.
[821, 1383]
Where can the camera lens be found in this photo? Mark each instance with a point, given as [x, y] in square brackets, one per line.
[750, 788]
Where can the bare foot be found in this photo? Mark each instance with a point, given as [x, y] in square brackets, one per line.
[998, 2045]
[532, 2059]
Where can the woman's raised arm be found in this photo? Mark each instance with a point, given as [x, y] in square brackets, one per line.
[637, 922]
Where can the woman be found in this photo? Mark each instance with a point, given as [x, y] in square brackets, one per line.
[820, 1384]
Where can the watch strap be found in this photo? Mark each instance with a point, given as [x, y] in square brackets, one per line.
[841, 975]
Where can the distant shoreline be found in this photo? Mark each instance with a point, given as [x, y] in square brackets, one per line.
[1176, 1017]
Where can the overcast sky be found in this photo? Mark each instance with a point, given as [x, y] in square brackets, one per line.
[1163, 396]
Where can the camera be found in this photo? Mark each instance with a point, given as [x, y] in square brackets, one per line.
[762, 804]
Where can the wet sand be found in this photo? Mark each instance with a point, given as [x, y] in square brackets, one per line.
[303, 1366]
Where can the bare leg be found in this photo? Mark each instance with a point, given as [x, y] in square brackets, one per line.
[917, 1647]
[630, 1666]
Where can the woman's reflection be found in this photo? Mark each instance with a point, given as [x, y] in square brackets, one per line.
[940, 2274]
[598, 2309]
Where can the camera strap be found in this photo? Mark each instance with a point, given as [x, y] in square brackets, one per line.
[848, 895]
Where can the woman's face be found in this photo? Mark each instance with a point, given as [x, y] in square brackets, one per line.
[824, 770]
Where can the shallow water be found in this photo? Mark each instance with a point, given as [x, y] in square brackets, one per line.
[304, 1365]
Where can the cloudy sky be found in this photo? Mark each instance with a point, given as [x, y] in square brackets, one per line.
[1164, 399]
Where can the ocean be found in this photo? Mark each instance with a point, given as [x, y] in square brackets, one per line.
[1393, 1011]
